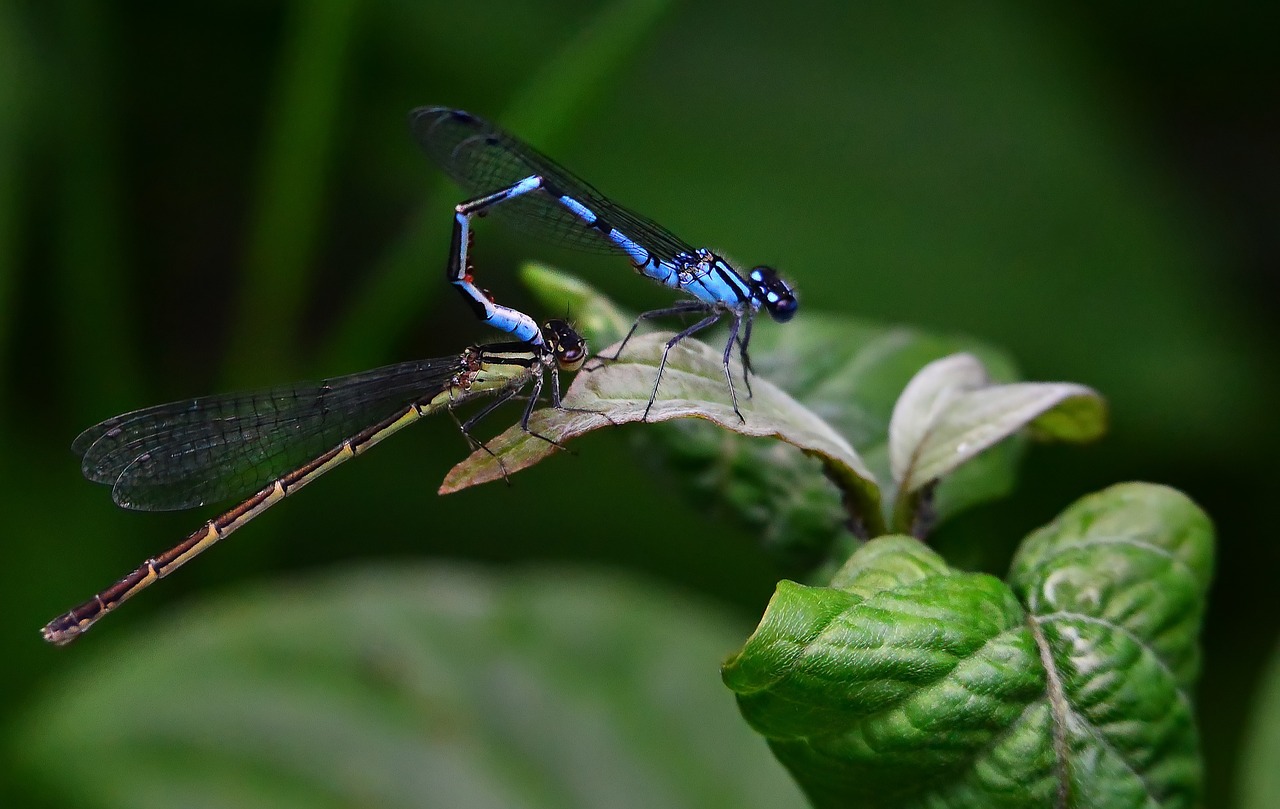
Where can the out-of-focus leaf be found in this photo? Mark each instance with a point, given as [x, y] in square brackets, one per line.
[14, 120]
[906, 683]
[91, 254]
[1259, 776]
[397, 687]
[562, 86]
[950, 412]
[291, 199]
[593, 315]
[693, 386]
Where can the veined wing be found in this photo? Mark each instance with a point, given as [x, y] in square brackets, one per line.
[188, 453]
[482, 158]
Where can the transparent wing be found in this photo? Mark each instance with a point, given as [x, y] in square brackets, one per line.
[189, 453]
[481, 158]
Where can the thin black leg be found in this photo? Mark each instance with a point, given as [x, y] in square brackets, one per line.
[465, 428]
[728, 352]
[709, 320]
[532, 404]
[489, 408]
[742, 346]
[678, 309]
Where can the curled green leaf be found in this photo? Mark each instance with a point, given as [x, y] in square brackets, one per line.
[950, 412]
[693, 386]
[908, 683]
[889, 688]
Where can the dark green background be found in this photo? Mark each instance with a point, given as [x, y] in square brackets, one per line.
[195, 198]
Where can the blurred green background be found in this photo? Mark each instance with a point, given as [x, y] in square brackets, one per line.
[194, 198]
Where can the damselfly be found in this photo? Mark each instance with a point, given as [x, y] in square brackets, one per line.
[515, 181]
[190, 453]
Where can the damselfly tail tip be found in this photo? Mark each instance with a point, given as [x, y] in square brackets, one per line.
[59, 633]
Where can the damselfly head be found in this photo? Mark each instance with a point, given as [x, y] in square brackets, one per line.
[569, 348]
[774, 293]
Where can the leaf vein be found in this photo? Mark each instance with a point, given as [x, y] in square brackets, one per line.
[1140, 642]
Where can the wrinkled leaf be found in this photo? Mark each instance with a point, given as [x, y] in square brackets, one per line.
[907, 683]
[395, 687]
[1116, 587]
[951, 412]
[693, 386]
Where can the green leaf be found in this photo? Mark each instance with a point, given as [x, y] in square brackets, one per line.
[1116, 586]
[784, 498]
[906, 683]
[693, 386]
[593, 315]
[1259, 777]
[950, 412]
[397, 687]
[849, 372]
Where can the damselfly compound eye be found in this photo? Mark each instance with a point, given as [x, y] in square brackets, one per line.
[776, 294]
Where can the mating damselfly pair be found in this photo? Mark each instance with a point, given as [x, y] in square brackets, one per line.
[268, 444]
